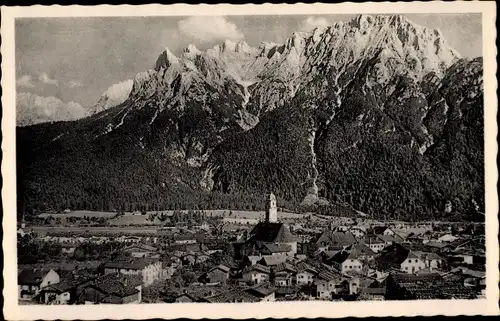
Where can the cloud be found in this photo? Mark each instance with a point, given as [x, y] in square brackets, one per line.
[75, 84]
[314, 22]
[209, 29]
[25, 81]
[43, 77]
[34, 109]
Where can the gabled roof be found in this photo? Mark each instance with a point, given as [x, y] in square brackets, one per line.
[284, 266]
[337, 238]
[394, 254]
[117, 284]
[257, 267]
[412, 255]
[371, 239]
[270, 260]
[329, 275]
[390, 238]
[468, 272]
[261, 290]
[220, 267]
[436, 244]
[412, 278]
[432, 286]
[377, 230]
[427, 255]
[271, 233]
[358, 250]
[144, 247]
[231, 296]
[134, 264]
[65, 285]
[303, 266]
[31, 276]
[277, 248]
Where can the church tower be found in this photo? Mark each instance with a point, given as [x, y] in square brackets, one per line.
[271, 209]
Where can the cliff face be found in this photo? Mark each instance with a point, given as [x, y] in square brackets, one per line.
[377, 113]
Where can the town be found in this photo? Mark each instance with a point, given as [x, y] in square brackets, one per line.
[196, 256]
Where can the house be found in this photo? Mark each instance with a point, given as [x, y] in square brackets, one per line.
[352, 258]
[252, 259]
[305, 274]
[169, 269]
[218, 274]
[256, 274]
[401, 286]
[386, 234]
[372, 289]
[20, 232]
[390, 239]
[112, 288]
[335, 240]
[464, 256]
[330, 283]
[399, 258]
[270, 231]
[381, 230]
[345, 261]
[375, 243]
[68, 249]
[235, 295]
[447, 238]
[131, 239]
[413, 263]
[189, 259]
[264, 292]
[358, 231]
[142, 250]
[64, 292]
[202, 258]
[195, 293]
[473, 279]
[185, 239]
[291, 292]
[59, 293]
[339, 228]
[284, 273]
[149, 269]
[30, 281]
[361, 251]
[432, 260]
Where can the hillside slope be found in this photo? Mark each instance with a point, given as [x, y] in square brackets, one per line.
[377, 113]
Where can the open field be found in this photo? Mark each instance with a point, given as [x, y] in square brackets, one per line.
[42, 230]
[80, 214]
[212, 213]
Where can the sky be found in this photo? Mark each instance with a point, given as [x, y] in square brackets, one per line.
[76, 59]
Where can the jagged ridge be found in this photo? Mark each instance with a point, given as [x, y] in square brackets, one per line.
[289, 117]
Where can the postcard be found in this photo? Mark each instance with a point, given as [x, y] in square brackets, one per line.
[255, 161]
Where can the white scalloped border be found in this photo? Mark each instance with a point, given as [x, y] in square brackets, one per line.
[310, 309]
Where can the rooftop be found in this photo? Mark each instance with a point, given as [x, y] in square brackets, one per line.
[31, 276]
[231, 296]
[271, 233]
[257, 267]
[132, 264]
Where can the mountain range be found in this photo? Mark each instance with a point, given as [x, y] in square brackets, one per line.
[377, 115]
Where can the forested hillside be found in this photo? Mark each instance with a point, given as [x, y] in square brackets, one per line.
[392, 127]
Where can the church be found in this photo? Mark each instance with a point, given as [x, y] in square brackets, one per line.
[270, 234]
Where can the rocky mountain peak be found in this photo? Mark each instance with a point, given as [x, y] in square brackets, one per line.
[166, 59]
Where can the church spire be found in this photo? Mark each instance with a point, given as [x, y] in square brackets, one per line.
[271, 209]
